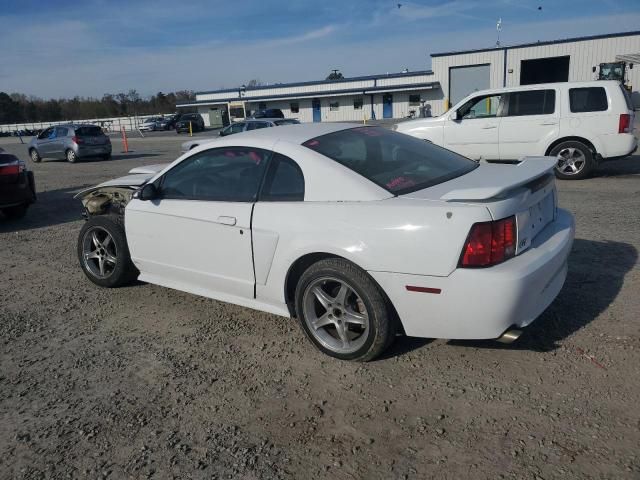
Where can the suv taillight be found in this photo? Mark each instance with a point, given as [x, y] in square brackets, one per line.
[489, 243]
[624, 123]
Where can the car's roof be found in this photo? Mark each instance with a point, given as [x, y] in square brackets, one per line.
[539, 86]
[295, 133]
[76, 125]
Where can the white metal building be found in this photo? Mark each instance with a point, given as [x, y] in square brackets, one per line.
[453, 76]
[572, 59]
[349, 99]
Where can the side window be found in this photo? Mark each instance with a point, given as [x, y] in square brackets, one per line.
[589, 99]
[61, 132]
[237, 127]
[532, 102]
[481, 107]
[222, 174]
[256, 125]
[284, 182]
[45, 133]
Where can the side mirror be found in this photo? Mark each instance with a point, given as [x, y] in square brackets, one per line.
[147, 192]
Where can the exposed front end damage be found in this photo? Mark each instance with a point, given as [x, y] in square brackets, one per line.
[107, 200]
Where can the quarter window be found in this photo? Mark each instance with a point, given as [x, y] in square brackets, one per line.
[284, 181]
[222, 174]
[532, 102]
[590, 99]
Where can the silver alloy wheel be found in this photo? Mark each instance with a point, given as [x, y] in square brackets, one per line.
[71, 156]
[571, 161]
[99, 252]
[34, 155]
[335, 315]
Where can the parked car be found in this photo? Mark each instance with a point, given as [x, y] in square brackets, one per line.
[268, 113]
[149, 125]
[357, 231]
[172, 120]
[240, 127]
[17, 186]
[195, 119]
[70, 141]
[581, 124]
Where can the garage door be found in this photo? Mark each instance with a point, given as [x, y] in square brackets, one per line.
[464, 80]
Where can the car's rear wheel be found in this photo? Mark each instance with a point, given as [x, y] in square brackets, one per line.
[106, 157]
[575, 160]
[343, 311]
[35, 156]
[15, 212]
[104, 254]
[71, 156]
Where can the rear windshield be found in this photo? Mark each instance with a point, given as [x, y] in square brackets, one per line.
[396, 162]
[7, 158]
[91, 131]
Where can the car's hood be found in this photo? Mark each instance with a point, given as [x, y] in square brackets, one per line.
[155, 168]
[132, 181]
[488, 181]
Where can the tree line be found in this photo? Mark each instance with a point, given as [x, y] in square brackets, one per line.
[20, 108]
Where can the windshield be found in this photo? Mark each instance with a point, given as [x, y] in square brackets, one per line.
[396, 162]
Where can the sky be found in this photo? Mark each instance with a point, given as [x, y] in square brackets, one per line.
[64, 48]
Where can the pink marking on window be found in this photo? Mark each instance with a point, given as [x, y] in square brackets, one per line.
[255, 157]
[400, 182]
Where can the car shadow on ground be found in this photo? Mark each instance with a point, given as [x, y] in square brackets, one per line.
[53, 207]
[596, 276]
[619, 168]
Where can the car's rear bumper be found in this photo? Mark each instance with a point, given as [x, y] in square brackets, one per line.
[618, 145]
[483, 303]
[93, 150]
[19, 193]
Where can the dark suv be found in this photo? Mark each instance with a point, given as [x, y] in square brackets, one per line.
[197, 123]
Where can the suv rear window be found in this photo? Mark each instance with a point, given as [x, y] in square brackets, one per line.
[588, 99]
[532, 102]
[398, 163]
[89, 131]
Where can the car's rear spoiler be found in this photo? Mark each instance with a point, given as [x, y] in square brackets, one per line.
[491, 180]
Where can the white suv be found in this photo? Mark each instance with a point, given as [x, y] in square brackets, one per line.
[580, 123]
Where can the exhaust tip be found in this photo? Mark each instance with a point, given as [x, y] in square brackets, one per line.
[509, 336]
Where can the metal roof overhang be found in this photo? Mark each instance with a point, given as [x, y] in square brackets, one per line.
[340, 93]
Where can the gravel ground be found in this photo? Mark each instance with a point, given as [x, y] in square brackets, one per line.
[147, 382]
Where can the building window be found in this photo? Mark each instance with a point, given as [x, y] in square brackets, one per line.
[334, 106]
[295, 107]
[357, 104]
[414, 100]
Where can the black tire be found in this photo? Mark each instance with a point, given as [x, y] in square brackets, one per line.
[35, 156]
[381, 329]
[71, 156]
[16, 212]
[584, 160]
[123, 272]
[106, 157]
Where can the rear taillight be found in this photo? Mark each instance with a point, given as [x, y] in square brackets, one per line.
[624, 123]
[10, 169]
[77, 140]
[489, 243]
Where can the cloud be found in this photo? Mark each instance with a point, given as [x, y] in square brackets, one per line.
[305, 37]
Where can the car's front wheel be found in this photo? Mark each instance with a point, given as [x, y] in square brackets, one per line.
[343, 311]
[104, 254]
[575, 160]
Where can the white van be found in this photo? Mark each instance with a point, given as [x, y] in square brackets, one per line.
[580, 123]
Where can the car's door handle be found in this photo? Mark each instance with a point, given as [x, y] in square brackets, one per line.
[549, 123]
[489, 127]
[227, 220]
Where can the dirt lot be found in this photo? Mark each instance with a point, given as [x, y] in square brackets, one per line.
[146, 382]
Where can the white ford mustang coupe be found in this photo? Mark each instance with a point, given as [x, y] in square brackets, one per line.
[358, 232]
